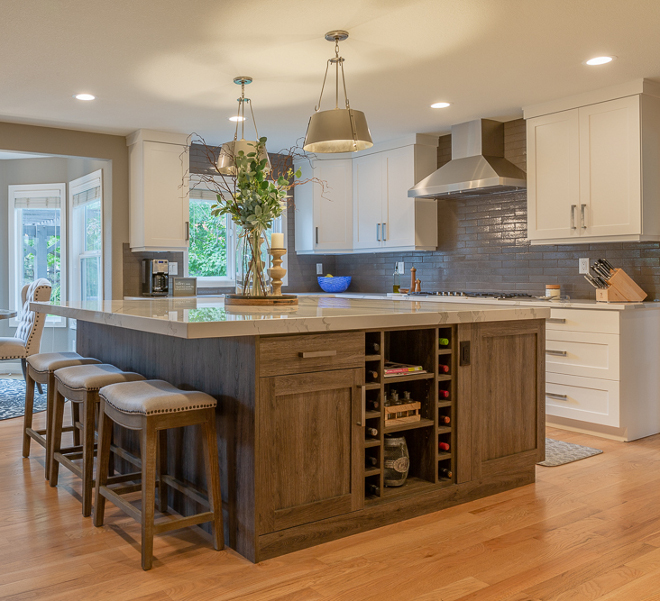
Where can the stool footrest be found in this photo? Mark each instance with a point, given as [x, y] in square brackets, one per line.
[191, 493]
[125, 506]
[126, 456]
[37, 436]
[167, 524]
[67, 461]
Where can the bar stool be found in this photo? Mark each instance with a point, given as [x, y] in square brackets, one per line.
[81, 384]
[153, 407]
[41, 370]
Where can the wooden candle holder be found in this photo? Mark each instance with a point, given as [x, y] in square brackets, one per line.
[277, 272]
[622, 289]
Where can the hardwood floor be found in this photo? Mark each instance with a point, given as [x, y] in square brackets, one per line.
[585, 531]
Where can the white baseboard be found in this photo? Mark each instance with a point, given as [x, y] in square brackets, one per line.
[10, 367]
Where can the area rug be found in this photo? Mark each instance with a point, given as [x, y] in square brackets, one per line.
[559, 453]
[12, 398]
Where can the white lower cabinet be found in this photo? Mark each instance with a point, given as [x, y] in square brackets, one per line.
[602, 372]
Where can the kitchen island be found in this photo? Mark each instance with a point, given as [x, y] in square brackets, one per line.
[301, 416]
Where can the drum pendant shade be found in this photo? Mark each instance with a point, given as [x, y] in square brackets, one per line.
[226, 164]
[337, 130]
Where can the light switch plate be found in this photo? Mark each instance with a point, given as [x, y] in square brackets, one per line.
[400, 267]
[583, 265]
[319, 269]
[173, 267]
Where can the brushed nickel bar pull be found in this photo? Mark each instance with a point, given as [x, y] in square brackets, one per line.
[582, 223]
[313, 354]
[378, 232]
[557, 353]
[384, 230]
[363, 415]
[187, 230]
[559, 397]
[555, 320]
[573, 207]
[317, 234]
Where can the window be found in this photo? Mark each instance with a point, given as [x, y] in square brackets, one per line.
[37, 240]
[211, 251]
[85, 215]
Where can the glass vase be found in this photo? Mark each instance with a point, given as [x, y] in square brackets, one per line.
[252, 278]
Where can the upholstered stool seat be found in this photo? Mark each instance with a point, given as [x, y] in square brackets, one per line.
[41, 370]
[80, 384]
[153, 407]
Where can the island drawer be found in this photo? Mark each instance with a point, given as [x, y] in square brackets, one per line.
[309, 353]
[588, 354]
[584, 320]
[591, 400]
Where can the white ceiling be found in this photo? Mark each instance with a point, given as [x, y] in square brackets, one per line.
[169, 64]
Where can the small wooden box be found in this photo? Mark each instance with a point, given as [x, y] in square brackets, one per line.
[622, 289]
[403, 414]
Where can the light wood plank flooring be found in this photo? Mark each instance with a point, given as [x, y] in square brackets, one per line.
[588, 530]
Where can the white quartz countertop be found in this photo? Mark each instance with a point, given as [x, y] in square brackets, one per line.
[209, 318]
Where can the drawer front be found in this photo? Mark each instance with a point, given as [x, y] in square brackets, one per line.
[587, 354]
[585, 399]
[285, 355]
[583, 320]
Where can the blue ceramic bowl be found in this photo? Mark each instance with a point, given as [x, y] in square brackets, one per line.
[336, 284]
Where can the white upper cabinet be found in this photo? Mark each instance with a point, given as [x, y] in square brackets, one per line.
[365, 207]
[324, 218]
[592, 169]
[158, 190]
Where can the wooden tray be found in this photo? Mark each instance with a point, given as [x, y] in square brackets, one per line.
[237, 299]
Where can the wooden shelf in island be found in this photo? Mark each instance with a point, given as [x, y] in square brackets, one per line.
[422, 423]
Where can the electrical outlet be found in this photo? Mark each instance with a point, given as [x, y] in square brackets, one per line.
[173, 267]
[400, 267]
[583, 265]
[319, 269]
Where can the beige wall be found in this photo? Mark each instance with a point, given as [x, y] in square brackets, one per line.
[65, 142]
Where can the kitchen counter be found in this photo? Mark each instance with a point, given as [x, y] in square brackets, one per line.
[209, 317]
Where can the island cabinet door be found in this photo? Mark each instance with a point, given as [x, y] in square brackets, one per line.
[309, 448]
[501, 404]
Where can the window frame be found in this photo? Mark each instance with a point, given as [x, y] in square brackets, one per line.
[14, 192]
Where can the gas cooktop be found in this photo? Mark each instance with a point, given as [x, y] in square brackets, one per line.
[465, 294]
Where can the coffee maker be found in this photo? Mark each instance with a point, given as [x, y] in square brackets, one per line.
[155, 277]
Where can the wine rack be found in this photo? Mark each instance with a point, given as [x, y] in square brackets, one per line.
[435, 349]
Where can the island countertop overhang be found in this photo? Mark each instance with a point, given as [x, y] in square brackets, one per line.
[201, 318]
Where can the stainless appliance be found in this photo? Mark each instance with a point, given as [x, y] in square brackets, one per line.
[155, 277]
[470, 294]
[477, 165]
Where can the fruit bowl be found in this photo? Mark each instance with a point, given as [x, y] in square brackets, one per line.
[335, 284]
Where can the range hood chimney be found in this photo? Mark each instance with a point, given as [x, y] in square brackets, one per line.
[477, 165]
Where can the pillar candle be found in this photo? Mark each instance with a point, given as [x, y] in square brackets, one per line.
[277, 240]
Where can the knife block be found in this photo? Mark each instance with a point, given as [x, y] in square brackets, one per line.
[622, 289]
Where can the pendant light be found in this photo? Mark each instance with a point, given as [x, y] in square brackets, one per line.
[339, 129]
[226, 164]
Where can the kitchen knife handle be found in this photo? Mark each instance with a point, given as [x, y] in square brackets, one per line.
[573, 207]
[556, 353]
[384, 230]
[559, 397]
[378, 232]
[582, 223]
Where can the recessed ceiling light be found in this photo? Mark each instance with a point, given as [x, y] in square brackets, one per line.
[84, 97]
[236, 118]
[600, 60]
[440, 105]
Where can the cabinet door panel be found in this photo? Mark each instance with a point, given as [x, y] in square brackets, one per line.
[367, 198]
[304, 209]
[333, 210]
[553, 176]
[399, 210]
[309, 448]
[610, 175]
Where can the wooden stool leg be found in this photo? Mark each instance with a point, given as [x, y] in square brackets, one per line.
[50, 403]
[75, 418]
[55, 439]
[162, 470]
[149, 446]
[29, 406]
[102, 462]
[89, 405]
[213, 479]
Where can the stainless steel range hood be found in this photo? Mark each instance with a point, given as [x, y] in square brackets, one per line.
[477, 165]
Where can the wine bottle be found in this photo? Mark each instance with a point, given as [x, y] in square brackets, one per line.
[444, 419]
[372, 374]
[372, 432]
[372, 489]
[373, 348]
[371, 461]
[373, 405]
[443, 369]
[443, 446]
[444, 394]
[444, 341]
[443, 472]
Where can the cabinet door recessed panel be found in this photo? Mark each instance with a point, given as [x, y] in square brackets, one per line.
[585, 399]
[593, 355]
